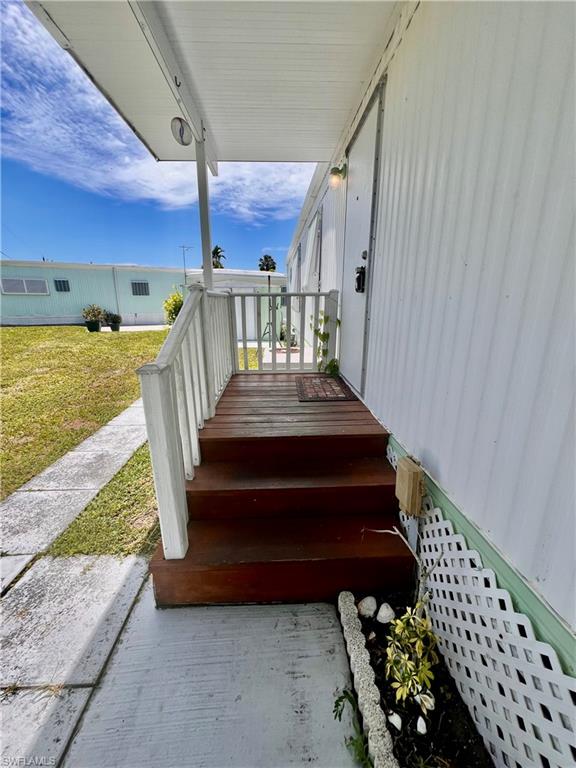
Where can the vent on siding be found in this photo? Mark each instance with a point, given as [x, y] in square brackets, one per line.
[140, 288]
[62, 286]
[23, 285]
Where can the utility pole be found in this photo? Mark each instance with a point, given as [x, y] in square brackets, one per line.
[184, 249]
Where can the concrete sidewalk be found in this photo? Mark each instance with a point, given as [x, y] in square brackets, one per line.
[34, 515]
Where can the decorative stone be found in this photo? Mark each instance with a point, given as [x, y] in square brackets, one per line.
[396, 720]
[421, 726]
[385, 614]
[372, 636]
[426, 701]
[367, 607]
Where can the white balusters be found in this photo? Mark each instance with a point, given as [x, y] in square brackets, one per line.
[302, 340]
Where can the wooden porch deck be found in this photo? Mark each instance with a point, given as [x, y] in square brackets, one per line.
[279, 505]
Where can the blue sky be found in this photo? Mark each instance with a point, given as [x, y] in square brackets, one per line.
[77, 185]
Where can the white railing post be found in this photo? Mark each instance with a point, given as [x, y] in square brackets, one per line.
[207, 345]
[233, 332]
[160, 410]
[331, 310]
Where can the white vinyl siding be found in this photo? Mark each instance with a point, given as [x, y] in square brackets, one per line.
[471, 355]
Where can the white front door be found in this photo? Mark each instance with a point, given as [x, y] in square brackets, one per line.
[359, 197]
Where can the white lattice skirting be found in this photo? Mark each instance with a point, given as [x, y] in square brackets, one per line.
[513, 685]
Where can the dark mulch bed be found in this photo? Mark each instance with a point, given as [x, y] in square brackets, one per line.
[452, 740]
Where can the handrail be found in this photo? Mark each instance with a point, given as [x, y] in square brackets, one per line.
[283, 294]
[173, 342]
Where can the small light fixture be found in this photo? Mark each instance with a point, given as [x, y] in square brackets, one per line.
[181, 131]
[337, 174]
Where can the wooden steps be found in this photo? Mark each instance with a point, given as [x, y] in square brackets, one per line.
[279, 506]
[322, 488]
[275, 560]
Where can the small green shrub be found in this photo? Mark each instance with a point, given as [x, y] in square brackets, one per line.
[411, 654]
[93, 313]
[172, 306]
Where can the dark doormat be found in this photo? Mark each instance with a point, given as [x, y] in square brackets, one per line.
[312, 389]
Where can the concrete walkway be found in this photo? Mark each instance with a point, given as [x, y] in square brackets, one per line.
[34, 515]
[240, 686]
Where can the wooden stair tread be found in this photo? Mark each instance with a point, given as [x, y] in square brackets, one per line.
[229, 477]
[221, 543]
[311, 429]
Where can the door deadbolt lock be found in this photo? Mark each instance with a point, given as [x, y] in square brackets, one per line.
[360, 279]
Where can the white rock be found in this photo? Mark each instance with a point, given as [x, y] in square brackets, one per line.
[372, 636]
[385, 614]
[421, 726]
[367, 607]
[426, 701]
[396, 720]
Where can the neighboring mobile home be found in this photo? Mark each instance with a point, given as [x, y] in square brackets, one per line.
[439, 227]
[54, 293]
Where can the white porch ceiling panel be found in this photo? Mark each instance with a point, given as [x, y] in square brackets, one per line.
[271, 80]
[108, 43]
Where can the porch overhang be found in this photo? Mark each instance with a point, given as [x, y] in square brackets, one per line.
[256, 81]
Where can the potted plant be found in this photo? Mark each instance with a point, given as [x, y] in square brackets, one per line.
[93, 317]
[113, 320]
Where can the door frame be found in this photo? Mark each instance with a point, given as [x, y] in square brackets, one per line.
[379, 96]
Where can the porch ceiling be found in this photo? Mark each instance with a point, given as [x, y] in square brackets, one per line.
[270, 80]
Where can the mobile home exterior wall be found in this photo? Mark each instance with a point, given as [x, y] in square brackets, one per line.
[108, 286]
[470, 357]
[111, 287]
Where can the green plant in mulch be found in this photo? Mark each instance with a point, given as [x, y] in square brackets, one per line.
[121, 520]
[410, 656]
[358, 742]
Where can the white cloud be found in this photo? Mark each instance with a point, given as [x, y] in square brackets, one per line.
[56, 121]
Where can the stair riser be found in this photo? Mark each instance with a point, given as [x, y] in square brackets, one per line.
[284, 449]
[293, 502]
[308, 581]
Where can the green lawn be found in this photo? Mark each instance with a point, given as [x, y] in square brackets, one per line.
[58, 386]
[252, 358]
[121, 520]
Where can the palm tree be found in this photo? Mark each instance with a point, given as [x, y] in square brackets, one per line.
[267, 263]
[217, 256]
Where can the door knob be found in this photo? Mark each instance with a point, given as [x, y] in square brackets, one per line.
[360, 279]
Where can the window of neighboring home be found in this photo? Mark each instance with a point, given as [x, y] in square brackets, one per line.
[62, 286]
[140, 288]
[24, 285]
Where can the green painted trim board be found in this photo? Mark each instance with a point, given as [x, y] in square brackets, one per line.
[548, 626]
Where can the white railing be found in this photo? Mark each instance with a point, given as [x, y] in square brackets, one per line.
[283, 329]
[206, 345]
[180, 390]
